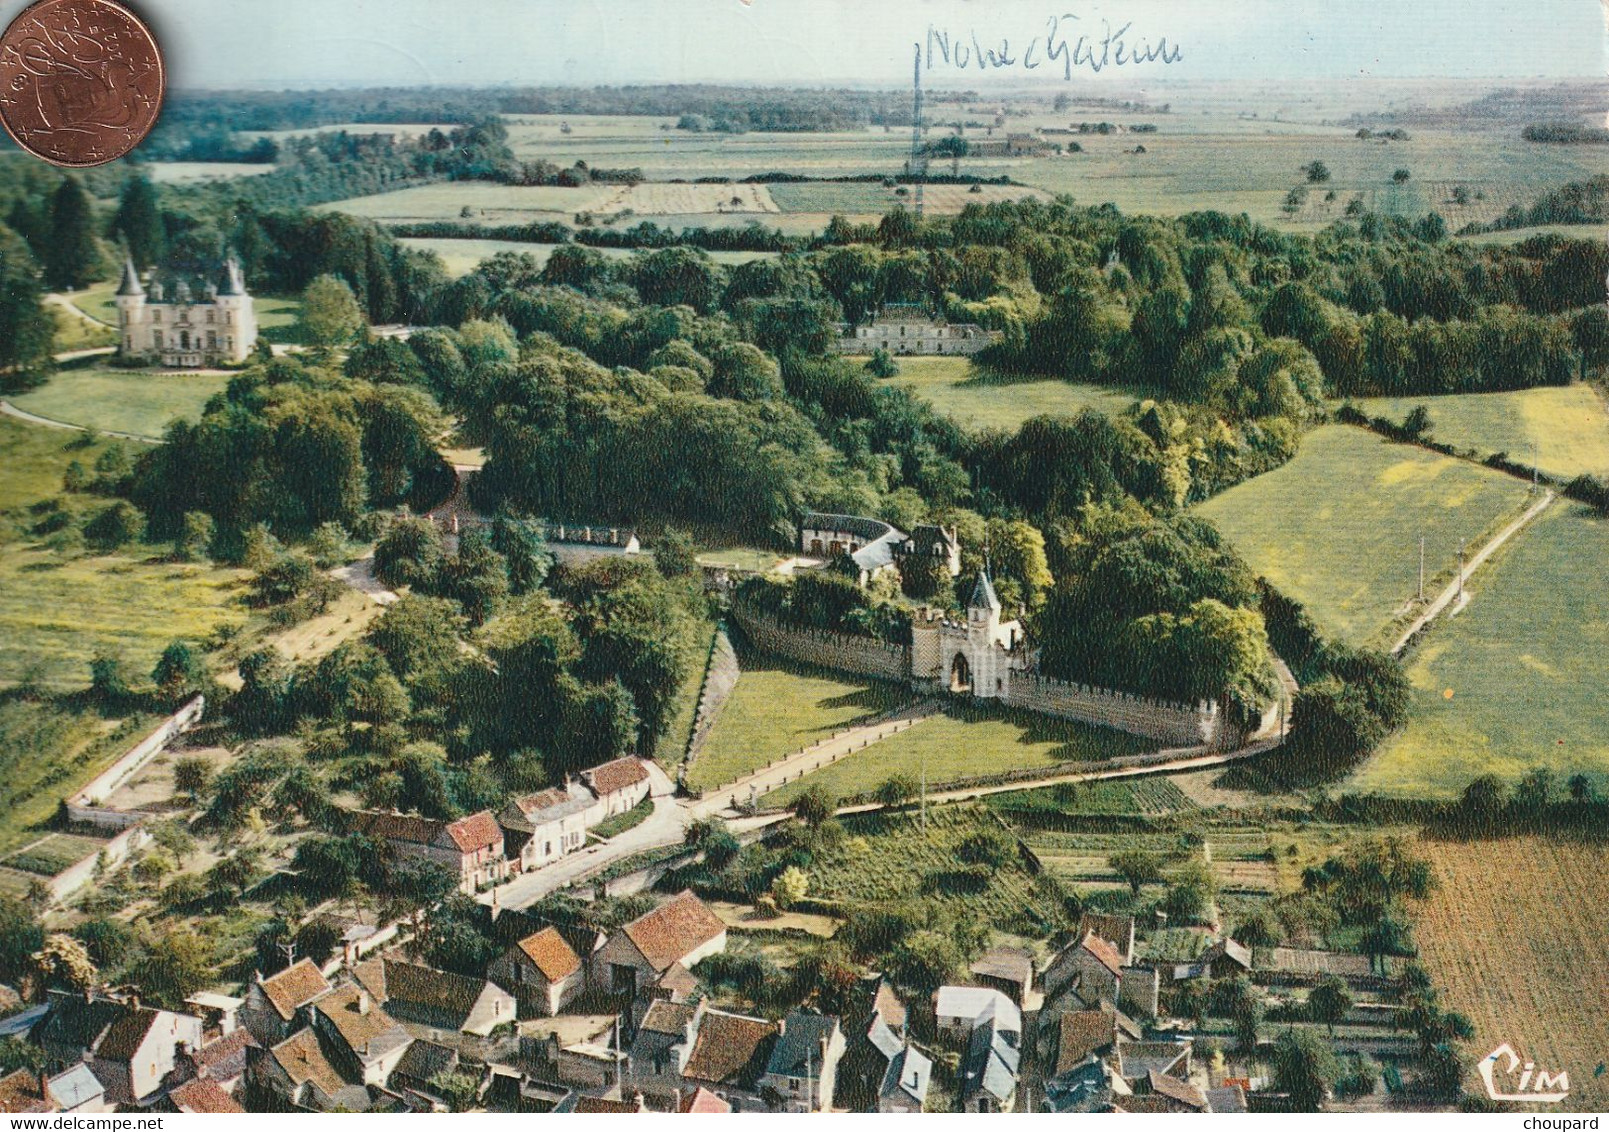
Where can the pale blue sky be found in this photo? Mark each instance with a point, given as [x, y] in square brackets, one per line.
[320, 43]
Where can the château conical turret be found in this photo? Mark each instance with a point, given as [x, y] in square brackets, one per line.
[130, 285]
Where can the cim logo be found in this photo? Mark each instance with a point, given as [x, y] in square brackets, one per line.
[1544, 1086]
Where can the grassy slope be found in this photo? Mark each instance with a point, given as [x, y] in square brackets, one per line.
[776, 709]
[1568, 425]
[136, 401]
[1524, 664]
[1338, 527]
[967, 741]
[57, 612]
[672, 745]
[977, 399]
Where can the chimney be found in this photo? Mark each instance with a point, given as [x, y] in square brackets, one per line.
[363, 1001]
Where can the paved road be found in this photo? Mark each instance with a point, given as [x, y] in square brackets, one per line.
[664, 826]
[1455, 587]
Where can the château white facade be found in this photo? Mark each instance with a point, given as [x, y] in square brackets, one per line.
[212, 325]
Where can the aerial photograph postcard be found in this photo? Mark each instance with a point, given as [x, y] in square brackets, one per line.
[803, 556]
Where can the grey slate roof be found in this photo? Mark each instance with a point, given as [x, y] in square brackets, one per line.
[798, 1050]
[991, 1063]
[983, 595]
[75, 1086]
[130, 284]
[910, 1072]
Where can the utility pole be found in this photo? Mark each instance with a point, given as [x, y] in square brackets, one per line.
[290, 952]
[1421, 568]
[1460, 569]
[924, 790]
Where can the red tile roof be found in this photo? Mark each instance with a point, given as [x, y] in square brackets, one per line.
[204, 1095]
[125, 1036]
[730, 1048]
[1174, 1089]
[477, 831]
[1103, 951]
[621, 774]
[673, 930]
[294, 987]
[551, 955]
[1084, 1032]
[702, 1100]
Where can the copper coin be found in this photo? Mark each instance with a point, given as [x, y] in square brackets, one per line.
[81, 81]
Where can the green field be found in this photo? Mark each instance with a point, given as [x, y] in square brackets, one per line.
[57, 611]
[1338, 528]
[978, 398]
[1126, 797]
[778, 708]
[137, 401]
[1567, 425]
[463, 256]
[193, 172]
[966, 741]
[1524, 663]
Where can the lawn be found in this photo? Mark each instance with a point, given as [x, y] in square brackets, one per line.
[1562, 430]
[1513, 937]
[977, 398]
[1338, 528]
[59, 610]
[137, 401]
[966, 741]
[75, 333]
[1517, 679]
[778, 708]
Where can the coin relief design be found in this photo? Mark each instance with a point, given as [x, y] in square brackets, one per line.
[81, 81]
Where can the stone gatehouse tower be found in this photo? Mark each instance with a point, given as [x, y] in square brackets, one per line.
[972, 657]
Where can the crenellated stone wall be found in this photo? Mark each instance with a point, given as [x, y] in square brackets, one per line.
[1175, 724]
[863, 656]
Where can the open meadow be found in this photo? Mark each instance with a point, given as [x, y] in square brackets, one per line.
[977, 398]
[1513, 937]
[965, 741]
[141, 402]
[59, 609]
[1562, 430]
[1338, 527]
[1516, 680]
[777, 708]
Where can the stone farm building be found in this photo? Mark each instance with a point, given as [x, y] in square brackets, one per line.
[204, 322]
[681, 930]
[909, 329]
[874, 547]
[471, 847]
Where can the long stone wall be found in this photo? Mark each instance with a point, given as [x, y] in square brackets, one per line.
[100, 788]
[1176, 724]
[863, 656]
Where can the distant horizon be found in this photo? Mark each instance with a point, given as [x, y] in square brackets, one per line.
[404, 44]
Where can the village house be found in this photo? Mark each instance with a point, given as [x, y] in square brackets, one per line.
[587, 1057]
[1079, 1074]
[727, 1054]
[1009, 970]
[207, 322]
[363, 1039]
[874, 1029]
[546, 825]
[222, 1060]
[472, 847]
[802, 1069]
[1091, 968]
[420, 1066]
[444, 1000]
[906, 1082]
[77, 1089]
[617, 786]
[543, 972]
[130, 1048]
[303, 1073]
[203, 1095]
[276, 1006]
[681, 930]
[701, 1100]
[959, 1010]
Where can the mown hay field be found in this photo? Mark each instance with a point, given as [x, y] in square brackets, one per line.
[460, 257]
[1338, 527]
[1513, 936]
[1516, 680]
[1562, 430]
